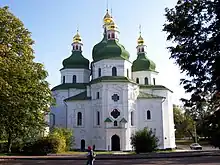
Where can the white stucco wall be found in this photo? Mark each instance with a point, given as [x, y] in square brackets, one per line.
[106, 66]
[59, 110]
[82, 132]
[155, 123]
[82, 75]
[142, 74]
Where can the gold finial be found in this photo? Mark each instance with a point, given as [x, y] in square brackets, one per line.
[140, 39]
[77, 38]
[107, 18]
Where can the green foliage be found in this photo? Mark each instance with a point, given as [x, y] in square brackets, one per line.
[144, 141]
[25, 96]
[212, 123]
[184, 124]
[193, 28]
[45, 145]
[66, 133]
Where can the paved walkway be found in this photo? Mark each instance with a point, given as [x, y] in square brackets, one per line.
[118, 157]
[209, 160]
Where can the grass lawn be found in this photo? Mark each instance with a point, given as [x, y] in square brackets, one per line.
[97, 152]
[188, 142]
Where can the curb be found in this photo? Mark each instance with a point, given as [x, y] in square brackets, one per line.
[116, 157]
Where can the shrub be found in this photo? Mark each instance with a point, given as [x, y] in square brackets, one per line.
[66, 133]
[144, 141]
[45, 145]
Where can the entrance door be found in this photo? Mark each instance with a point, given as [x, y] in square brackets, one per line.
[115, 143]
[83, 145]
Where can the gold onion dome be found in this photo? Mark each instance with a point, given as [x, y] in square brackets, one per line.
[77, 38]
[140, 40]
[107, 18]
[112, 26]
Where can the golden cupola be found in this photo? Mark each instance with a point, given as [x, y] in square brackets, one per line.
[77, 38]
[112, 26]
[140, 40]
[107, 18]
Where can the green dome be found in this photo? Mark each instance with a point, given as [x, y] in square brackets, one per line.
[99, 46]
[142, 63]
[107, 49]
[76, 60]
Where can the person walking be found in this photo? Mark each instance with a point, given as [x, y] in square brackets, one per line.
[90, 156]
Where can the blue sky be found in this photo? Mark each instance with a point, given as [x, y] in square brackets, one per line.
[53, 23]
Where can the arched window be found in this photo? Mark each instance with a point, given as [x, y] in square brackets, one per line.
[80, 48]
[109, 36]
[146, 81]
[64, 79]
[148, 115]
[132, 118]
[154, 81]
[137, 80]
[113, 35]
[98, 118]
[100, 72]
[79, 118]
[114, 71]
[142, 49]
[74, 78]
[76, 47]
[115, 123]
[128, 73]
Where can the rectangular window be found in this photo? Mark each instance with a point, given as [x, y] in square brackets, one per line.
[128, 73]
[132, 118]
[98, 118]
[64, 79]
[97, 95]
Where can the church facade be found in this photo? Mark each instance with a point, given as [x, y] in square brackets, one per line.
[106, 101]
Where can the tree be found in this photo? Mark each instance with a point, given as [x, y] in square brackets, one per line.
[193, 27]
[183, 123]
[25, 96]
[144, 141]
[67, 134]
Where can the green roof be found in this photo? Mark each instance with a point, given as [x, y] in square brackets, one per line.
[143, 95]
[70, 85]
[76, 60]
[108, 120]
[142, 63]
[80, 96]
[108, 49]
[112, 79]
[155, 87]
[123, 120]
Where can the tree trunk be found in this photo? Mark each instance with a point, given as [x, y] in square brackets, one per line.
[192, 136]
[9, 145]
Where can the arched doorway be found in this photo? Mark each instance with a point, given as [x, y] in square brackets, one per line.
[83, 145]
[115, 143]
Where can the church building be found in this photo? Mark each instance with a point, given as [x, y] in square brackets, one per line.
[106, 101]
